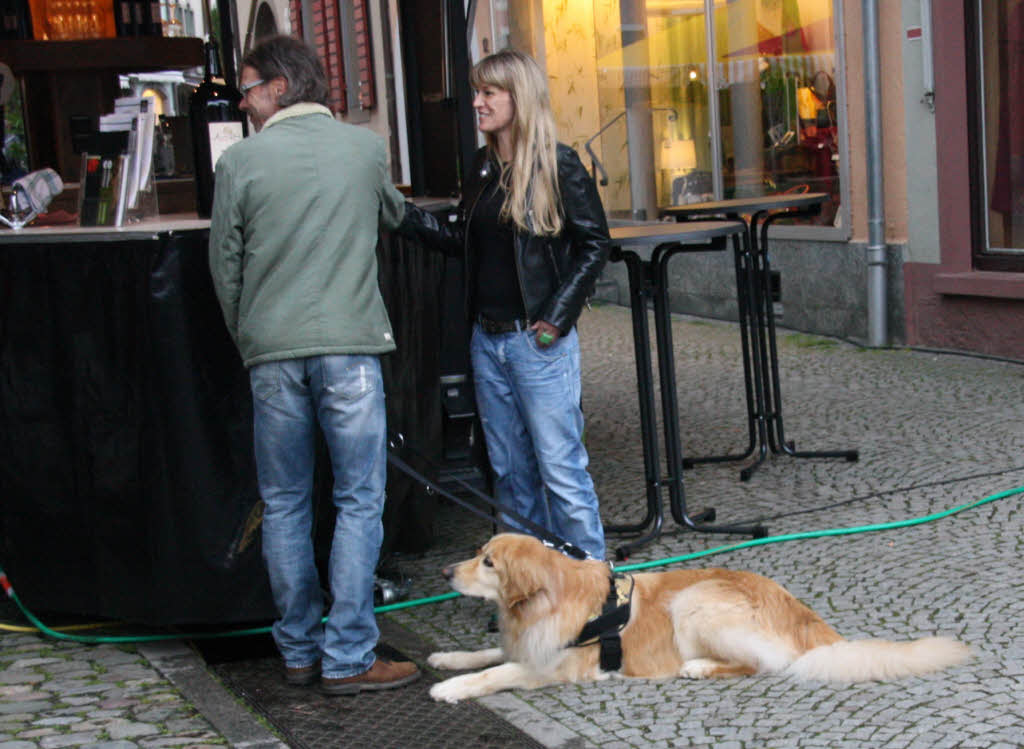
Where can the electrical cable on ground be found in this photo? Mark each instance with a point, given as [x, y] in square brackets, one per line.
[6, 586]
[883, 493]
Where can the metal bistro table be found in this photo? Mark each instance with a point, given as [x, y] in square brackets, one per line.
[648, 279]
[765, 411]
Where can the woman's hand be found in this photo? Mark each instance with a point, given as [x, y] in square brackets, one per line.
[547, 333]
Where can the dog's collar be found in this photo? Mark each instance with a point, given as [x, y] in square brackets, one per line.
[605, 627]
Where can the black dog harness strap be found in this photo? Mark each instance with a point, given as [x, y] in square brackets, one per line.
[607, 626]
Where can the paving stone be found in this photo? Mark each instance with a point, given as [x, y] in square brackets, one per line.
[63, 721]
[22, 708]
[20, 676]
[67, 739]
[33, 662]
[130, 729]
[37, 732]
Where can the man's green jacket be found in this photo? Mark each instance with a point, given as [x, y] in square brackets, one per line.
[293, 238]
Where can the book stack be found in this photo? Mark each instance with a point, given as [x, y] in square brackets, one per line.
[126, 109]
[117, 186]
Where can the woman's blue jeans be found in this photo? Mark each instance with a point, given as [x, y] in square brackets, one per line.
[345, 396]
[529, 401]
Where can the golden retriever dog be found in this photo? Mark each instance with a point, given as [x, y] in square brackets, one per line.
[696, 624]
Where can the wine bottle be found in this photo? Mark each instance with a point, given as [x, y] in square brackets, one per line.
[152, 23]
[16, 19]
[124, 15]
[217, 123]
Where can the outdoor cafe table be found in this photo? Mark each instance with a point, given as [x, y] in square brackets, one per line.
[764, 412]
[648, 279]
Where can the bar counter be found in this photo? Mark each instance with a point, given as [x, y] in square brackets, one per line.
[126, 468]
[150, 229]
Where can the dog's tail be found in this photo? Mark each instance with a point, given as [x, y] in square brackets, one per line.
[868, 660]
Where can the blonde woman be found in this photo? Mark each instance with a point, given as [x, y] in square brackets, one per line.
[534, 238]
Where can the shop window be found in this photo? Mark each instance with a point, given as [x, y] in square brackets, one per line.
[340, 32]
[14, 154]
[678, 101]
[996, 41]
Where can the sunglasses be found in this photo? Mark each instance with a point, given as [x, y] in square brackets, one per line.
[245, 88]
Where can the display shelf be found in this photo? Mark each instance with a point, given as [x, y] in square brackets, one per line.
[126, 54]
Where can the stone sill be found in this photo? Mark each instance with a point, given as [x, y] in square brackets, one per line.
[991, 284]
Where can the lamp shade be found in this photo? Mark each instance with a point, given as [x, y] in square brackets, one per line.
[679, 155]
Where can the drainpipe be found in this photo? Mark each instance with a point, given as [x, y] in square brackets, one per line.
[878, 334]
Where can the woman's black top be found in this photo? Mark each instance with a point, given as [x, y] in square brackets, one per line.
[492, 241]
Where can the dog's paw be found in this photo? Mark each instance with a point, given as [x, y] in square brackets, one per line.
[460, 660]
[447, 691]
[447, 661]
[698, 668]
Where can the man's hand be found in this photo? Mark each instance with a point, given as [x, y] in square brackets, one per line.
[547, 333]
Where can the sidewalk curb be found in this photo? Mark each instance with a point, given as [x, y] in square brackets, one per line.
[177, 662]
[541, 728]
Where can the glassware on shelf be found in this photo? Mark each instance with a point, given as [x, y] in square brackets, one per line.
[71, 19]
[172, 18]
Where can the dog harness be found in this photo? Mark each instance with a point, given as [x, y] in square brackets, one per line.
[604, 628]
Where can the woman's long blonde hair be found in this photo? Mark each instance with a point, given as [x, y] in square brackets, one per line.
[530, 180]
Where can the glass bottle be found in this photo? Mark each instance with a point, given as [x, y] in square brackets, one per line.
[216, 122]
[16, 17]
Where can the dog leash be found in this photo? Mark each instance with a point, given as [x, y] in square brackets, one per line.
[542, 533]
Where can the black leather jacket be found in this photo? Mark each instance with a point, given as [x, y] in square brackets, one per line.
[556, 274]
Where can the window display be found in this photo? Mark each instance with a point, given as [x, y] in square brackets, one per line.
[686, 100]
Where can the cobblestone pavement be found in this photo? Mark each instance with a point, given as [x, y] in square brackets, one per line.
[934, 431]
[58, 694]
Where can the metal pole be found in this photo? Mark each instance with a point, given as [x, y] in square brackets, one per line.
[639, 129]
[876, 253]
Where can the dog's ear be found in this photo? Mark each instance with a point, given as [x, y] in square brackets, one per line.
[521, 576]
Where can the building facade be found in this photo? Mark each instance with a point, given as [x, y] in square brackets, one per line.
[677, 101]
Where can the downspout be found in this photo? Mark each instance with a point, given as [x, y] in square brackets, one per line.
[878, 334]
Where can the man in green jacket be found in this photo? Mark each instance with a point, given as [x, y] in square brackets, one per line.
[293, 237]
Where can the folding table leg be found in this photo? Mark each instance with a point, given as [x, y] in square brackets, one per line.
[746, 329]
[776, 431]
[670, 407]
[639, 293]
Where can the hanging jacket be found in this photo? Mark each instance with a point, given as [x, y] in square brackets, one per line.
[556, 273]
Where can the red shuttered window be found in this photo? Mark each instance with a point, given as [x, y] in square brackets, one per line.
[327, 22]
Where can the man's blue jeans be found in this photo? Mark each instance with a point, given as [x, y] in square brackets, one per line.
[529, 405]
[345, 395]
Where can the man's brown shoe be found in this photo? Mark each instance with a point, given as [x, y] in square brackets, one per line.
[382, 675]
[302, 676]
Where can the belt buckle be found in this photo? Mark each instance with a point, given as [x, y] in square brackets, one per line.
[497, 327]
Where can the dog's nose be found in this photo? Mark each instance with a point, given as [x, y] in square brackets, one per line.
[447, 572]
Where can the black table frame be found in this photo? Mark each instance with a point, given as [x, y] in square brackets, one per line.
[764, 412]
[648, 279]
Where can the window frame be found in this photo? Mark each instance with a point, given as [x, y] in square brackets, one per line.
[983, 257]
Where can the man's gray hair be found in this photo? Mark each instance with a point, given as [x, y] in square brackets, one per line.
[295, 61]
